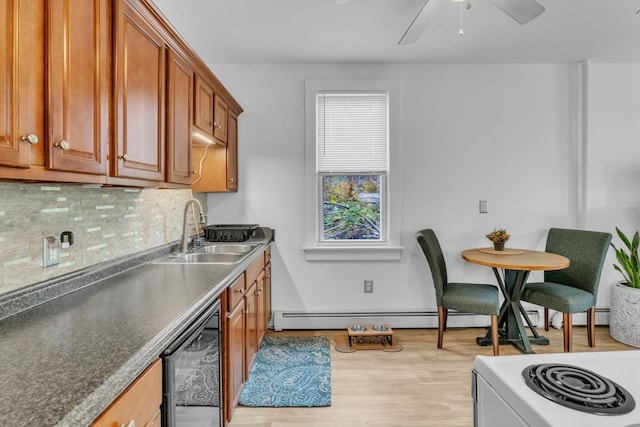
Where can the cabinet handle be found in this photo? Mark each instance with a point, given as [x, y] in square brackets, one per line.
[122, 156]
[62, 144]
[245, 311]
[131, 423]
[238, 291]
[216, 125]
[193, 171]
[232, 179]
[31, 138]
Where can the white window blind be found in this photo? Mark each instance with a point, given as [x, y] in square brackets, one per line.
[352, 132]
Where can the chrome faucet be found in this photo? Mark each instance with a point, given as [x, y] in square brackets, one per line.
[185, 229]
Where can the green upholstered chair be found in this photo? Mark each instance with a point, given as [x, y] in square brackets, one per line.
[574, 289]
[476, 298]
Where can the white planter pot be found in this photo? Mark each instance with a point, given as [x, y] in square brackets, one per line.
[624, 314]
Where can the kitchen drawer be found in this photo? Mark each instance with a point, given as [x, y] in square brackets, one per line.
[140, 402]
[254, 270]
[236, 290]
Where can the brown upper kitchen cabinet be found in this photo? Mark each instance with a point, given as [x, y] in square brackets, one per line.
[140, 55]
[216, 166]
[220, 111]
[232, 152]
[107, 92]
[203, 117]
[179, 113]
[22, 92]
[55, 51]
[78, 85]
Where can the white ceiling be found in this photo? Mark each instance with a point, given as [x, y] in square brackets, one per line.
[327, 31]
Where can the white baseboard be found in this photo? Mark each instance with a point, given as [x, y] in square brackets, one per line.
[283, 320]
[602, 318]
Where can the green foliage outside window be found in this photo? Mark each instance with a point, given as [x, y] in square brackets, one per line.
[351, 207]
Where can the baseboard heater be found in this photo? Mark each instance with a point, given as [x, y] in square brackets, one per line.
[283, 320]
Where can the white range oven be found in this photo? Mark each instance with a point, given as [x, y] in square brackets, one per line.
[590, 389]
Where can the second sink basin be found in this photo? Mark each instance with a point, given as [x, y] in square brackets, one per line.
[229, 248]
[201, 258]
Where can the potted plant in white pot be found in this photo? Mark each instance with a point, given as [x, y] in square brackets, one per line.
[624, 310]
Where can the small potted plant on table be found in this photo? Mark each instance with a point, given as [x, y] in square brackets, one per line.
[498, 236]
[624, 310]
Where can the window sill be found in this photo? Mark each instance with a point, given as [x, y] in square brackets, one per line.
[353, 253]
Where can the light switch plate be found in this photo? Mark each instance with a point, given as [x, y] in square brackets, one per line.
[483, 206]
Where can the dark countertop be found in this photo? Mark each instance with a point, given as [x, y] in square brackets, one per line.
[64, 361]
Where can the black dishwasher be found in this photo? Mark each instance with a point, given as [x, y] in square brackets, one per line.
[192, 389]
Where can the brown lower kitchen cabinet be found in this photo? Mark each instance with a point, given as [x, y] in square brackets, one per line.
[139, 404]
[233, 361]
[245, 325]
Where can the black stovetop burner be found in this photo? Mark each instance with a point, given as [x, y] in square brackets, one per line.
[578, 388]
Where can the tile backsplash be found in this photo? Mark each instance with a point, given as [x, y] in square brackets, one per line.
[107, 223]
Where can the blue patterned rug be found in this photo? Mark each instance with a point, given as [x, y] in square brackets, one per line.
[290, 371]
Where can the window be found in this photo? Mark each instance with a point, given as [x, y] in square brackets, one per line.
[350, 214]
[352, 139]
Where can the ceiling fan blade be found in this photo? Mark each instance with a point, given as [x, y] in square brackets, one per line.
[419, 23]
[522, 11]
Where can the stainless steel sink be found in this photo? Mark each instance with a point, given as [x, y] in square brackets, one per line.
[201, 258]
[229, 248]
[216, 253]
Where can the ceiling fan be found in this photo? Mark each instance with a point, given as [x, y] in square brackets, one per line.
[522, 11]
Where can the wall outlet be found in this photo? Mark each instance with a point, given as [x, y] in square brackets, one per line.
[50, 253]
[368, 286]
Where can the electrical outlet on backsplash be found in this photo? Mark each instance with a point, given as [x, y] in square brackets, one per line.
[107, 223]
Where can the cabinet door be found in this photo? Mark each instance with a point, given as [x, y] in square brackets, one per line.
[139, 404]
[78, 85]
[262, 307]
[179, 116]
[232, 152]
[140, 87]
[21, 80]
[267, 295]
[234, 357]
[203, 117]
[220, 111]
[251, 327]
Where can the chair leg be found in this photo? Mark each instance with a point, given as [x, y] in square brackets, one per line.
[567, 331]
[494, 334]
[442, 319]
[446, 318]
[546, 319]
[591, 327]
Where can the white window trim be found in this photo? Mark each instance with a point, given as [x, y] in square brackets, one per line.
[391, 249]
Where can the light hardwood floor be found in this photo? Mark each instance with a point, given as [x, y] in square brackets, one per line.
[418, 386]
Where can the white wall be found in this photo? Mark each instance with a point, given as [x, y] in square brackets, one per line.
[509, 134]
[613, 167]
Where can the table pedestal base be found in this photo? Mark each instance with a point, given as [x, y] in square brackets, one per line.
[516, 342]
